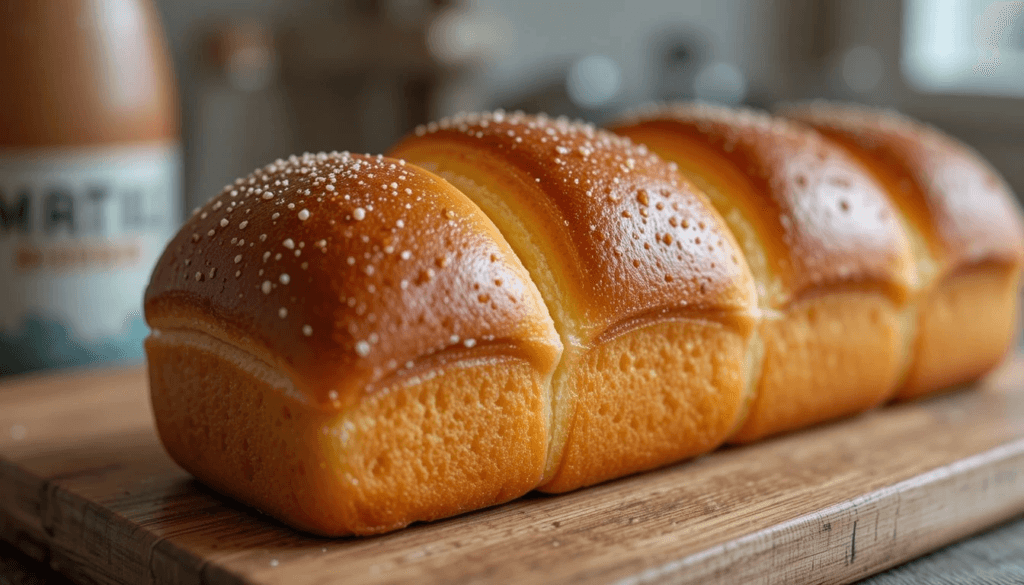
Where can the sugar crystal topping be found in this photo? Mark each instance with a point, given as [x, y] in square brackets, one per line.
[831, 218]
[372, 226]
[703, 113]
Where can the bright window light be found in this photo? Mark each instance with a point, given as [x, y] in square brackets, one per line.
[964, 46]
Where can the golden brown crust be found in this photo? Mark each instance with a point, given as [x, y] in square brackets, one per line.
[821, 220]
[344, 270]
[967, 324]
[629, 232]
[951, 195]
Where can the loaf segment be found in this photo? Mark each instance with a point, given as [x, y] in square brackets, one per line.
[833, 265]
[967, 234]
[349, 344]
[649, 291]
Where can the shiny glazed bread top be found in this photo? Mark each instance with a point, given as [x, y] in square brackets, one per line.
[346, 270]
[953, 198]
[819, 220]
[620, 233]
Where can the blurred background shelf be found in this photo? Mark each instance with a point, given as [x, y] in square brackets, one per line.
[266, 77]
[261, 79]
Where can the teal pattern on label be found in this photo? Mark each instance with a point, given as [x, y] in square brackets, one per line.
[44, 343]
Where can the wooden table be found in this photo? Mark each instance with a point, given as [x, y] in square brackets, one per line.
[85, 487]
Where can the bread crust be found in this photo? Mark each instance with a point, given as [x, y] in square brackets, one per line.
[343, 271]
[821, 220]
[616, 218]
[948, 193]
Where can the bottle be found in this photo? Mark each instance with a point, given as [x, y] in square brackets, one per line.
[89, 177]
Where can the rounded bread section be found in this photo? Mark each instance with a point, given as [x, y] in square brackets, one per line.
[648, 289]
[344, 271]
[348, 343]
[833, 265]
[966, 229]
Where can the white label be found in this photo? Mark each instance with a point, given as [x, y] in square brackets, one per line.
[80, 232]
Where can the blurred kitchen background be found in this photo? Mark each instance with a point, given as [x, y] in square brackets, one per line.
[264, 78]
[92, 184]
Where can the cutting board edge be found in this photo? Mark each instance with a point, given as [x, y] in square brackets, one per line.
[49, 521]
[907, 505]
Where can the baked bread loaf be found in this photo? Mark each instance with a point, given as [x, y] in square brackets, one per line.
[833, 266]
[350, 343]
[966, 232]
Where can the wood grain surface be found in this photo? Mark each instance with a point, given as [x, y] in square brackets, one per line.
[86, 487]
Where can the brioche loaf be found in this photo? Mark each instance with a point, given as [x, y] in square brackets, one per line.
[967, 236]
[512, 302]
[833, 266]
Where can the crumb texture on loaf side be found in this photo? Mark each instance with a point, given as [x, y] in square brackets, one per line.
[828, 357]
[631, 260]
[665, 392]
[967, 324]
[453, 439]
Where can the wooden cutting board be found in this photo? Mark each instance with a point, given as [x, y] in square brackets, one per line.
[85, 485]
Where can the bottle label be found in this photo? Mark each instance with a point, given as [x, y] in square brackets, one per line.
[80, 232]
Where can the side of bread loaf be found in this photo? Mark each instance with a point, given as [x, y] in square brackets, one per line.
[967, 234]
[832, 263]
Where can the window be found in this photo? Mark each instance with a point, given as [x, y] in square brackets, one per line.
[973, 47]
